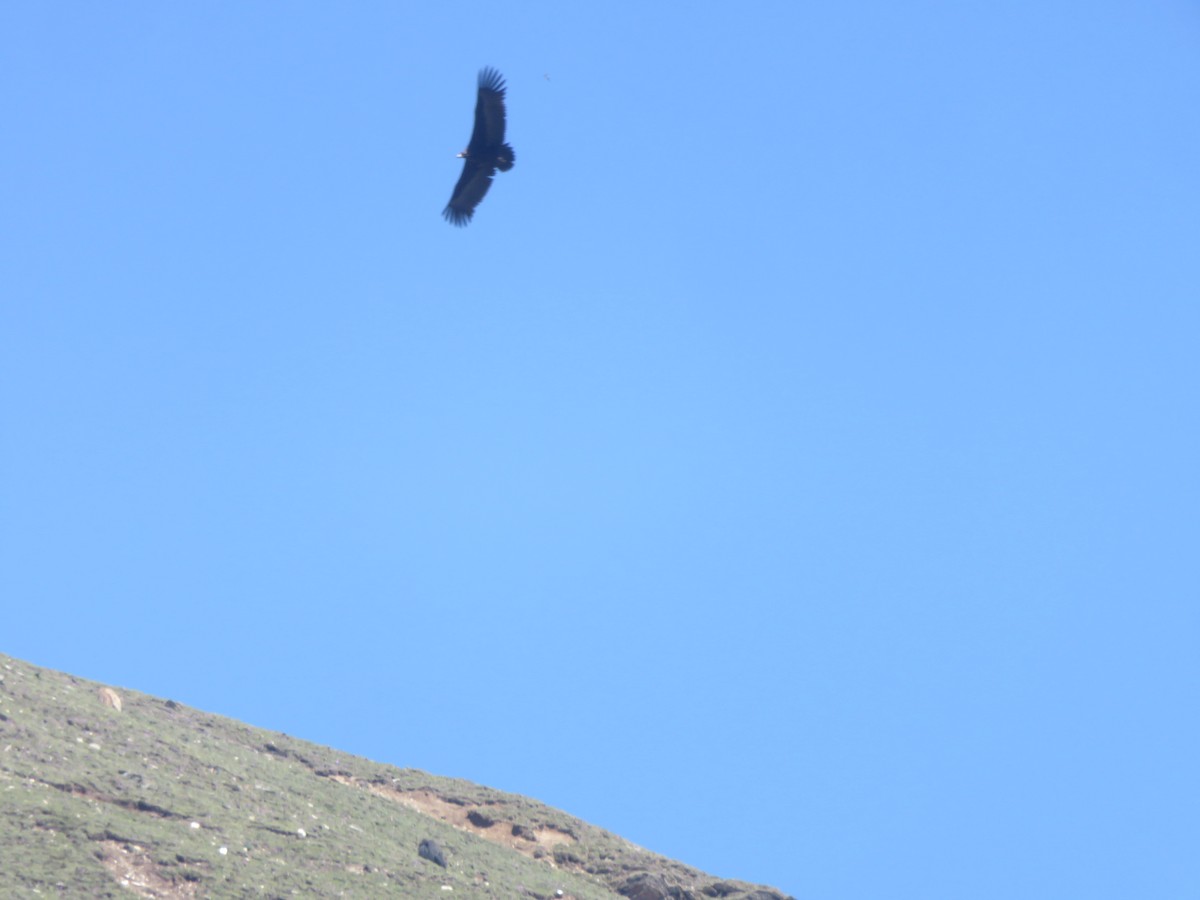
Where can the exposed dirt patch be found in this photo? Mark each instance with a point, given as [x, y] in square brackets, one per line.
[479, 819]
[133, 869]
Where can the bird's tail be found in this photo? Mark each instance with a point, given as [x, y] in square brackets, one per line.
[505, 158]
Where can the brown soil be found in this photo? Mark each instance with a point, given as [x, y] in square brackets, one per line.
[133, 869]
[526, 840]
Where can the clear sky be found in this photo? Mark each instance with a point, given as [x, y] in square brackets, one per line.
[793, 468]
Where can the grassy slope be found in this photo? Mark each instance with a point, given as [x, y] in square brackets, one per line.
[98, 802]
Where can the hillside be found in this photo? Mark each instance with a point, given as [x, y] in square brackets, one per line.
[111, 793]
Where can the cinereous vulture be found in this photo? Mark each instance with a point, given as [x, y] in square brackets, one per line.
[486, 152]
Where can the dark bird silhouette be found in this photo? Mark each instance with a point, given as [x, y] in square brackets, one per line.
[486, 152]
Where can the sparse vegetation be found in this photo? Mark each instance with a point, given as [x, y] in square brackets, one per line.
[148, 797]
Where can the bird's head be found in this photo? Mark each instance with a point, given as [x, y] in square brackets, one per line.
[462, 155]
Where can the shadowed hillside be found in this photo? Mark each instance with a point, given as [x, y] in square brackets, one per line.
[110, 793]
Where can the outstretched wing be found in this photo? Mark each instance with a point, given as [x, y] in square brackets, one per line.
[489, 112]
[472, 185]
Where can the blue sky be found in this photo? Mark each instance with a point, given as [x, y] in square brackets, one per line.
[793, 468]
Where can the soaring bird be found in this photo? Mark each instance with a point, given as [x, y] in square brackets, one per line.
[486, 152]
